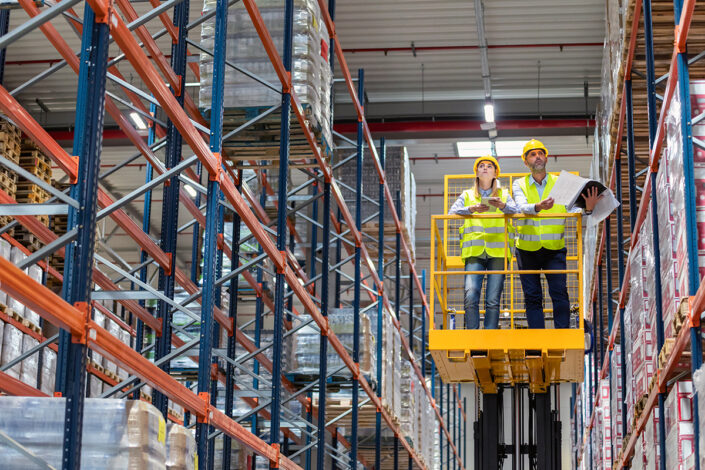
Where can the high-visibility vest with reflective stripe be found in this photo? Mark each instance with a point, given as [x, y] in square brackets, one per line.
[478, 236]
[536, 233]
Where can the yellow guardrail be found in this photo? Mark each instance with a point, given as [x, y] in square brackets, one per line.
[447, 270]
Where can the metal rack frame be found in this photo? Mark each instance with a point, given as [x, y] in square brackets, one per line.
[225, 191]
[690, 331]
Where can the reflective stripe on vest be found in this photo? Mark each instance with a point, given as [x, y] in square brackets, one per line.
[536, 233]
[478, 236]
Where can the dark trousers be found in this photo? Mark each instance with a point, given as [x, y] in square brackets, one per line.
[533, 292]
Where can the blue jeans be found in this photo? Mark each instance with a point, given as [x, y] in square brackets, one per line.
[473, 289]
[533, 291]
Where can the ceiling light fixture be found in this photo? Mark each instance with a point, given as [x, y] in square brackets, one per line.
[489, 112]
[137, 119]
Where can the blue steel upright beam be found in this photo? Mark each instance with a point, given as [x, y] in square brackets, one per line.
[277, 337]
[358, 275]
[691, 219]
[608, 272]
[397, 303]
[631, 153]
[196, 238]
[325, 291]
[212, 228]
[423, 326]
[380, 309]
[146, 227]
[4, 26]
[232, 342]
[170, 204]
[653, 123]
[88, 140]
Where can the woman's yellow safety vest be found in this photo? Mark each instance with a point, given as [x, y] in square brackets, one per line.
[537, 233]
[478, 236]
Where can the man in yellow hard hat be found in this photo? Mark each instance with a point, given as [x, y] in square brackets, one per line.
[540, 242]
[483, 242]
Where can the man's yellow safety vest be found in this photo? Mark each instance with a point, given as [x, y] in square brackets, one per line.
[478, 236]
[537, 233]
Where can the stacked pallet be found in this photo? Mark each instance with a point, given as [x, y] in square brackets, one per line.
[10, 142]
[34, 161]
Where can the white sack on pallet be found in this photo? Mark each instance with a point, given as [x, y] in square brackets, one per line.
[4, 253]
[16, 256]
[30, 366]
[48, 371]
[11, 348]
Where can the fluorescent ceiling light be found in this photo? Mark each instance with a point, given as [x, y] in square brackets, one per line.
[489, 112]
[189, 189]
[139, 122]
[478, 148]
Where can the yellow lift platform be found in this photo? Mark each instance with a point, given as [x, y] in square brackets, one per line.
[512, 354]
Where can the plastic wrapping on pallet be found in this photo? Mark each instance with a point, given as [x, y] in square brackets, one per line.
[4, 253]
[95, 386]
[306, 341]
[180, 448]
[16, 257]
[399, 178]
[11, 348]
[406, 400]
[679, 424]
[699, 389]
[30, 365]
[310, 73]
[117, 434]
[114, 330]
[396, 372]
[99, 319]
[48, 371]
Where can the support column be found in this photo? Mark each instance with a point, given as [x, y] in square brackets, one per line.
[170, 204]
[212, 229]
[380, 311]
[691, 219]
[88, 139]
[325, 258]
[358, 275]
[278, 335]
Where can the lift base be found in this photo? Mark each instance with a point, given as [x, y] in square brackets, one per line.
[524, 356]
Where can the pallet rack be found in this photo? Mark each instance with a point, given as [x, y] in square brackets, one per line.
[639, 130]
[226, 191]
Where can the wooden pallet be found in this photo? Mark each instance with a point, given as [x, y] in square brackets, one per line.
[259, 143]
[29, 192]
[665, 352]
[8, 182]
[29, 240]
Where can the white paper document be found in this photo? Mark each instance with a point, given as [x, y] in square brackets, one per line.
[568, 188]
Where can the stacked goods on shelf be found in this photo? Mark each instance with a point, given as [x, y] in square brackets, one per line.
[181, 449]
[616, 399]
[617, 22]
[407, 411]
[305, 345]
[699, 389]
[10, 142]
[310, 72]
[652, 453]
[604, 427]
[399, 178]
[116, 433]
[680, 431]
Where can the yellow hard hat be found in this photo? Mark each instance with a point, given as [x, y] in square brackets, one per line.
[487, 158]
[533, 144]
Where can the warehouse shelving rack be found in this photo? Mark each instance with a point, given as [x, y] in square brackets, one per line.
[604, 303]
[226, 191]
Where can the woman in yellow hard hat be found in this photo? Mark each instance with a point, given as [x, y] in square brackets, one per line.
[482, 241]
